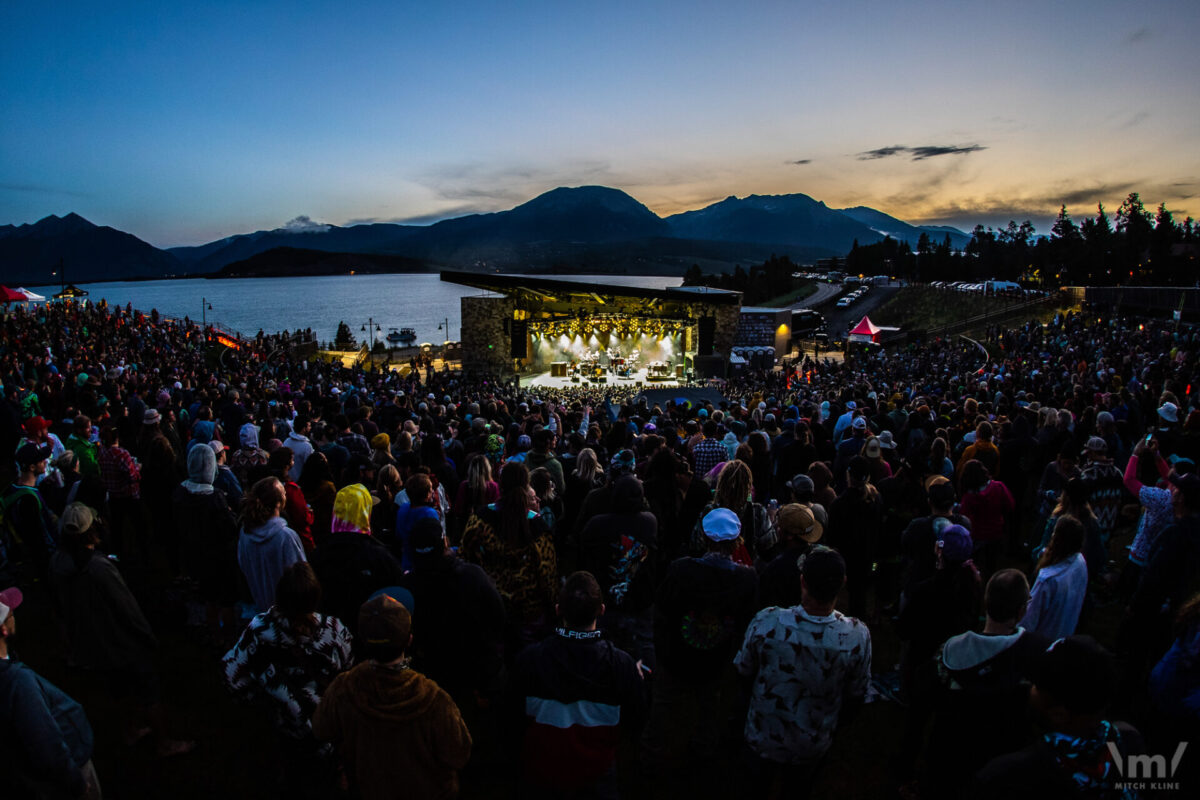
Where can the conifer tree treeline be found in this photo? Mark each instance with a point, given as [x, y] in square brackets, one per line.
[1138, 247]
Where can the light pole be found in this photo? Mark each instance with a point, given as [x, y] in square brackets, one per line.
[205, 307]
[372, 329]
[445, 326]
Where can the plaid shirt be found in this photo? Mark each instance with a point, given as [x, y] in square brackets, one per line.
[706, 455]
[119, 472]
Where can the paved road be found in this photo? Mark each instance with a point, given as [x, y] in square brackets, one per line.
[839, 320]
[825, 292]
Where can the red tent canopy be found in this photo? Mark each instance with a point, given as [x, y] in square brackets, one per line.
[865, 328]
[7, 295]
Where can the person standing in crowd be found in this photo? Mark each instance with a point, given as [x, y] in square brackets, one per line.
[107, 632]
[779, 579]
[1105, 484]
[709, 451]
[855, 519]
[397, 732]
[249, 461]
[619, 549]
[989, 505]
[286, 658]
[122, 479]
[266, 545]
[808, 667]
[421, 502]
[578, 692]
[296, 510]
[207, 540]
[351, 563]
[981, 690]
[702, 608]
[80, 443]
[297, 441]
[510, 541]
[45, 739]
[28, 530]
[478, 489]
[458, 637]
[1073, 684]
[1061, 586]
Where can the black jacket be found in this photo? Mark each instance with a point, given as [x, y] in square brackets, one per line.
[458, 625]
[351, 567]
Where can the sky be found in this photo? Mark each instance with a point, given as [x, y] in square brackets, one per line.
[185, 123]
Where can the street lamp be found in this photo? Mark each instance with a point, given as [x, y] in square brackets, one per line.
[371, 328]
[445, 326]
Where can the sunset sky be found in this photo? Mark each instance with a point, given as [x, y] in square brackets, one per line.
[183, 123]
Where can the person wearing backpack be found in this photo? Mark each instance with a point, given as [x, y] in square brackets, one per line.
[26, 523]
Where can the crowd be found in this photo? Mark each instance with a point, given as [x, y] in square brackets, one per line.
[436, 583]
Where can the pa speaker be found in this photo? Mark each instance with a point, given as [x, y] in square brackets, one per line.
[708, 329]
[520, 338]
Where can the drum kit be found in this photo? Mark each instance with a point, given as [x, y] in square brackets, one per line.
[597, 365]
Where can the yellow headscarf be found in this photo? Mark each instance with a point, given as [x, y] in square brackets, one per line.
[352, 509]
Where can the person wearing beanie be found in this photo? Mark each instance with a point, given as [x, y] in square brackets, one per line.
[399, 734]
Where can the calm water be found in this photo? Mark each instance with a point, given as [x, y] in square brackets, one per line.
[421, 302]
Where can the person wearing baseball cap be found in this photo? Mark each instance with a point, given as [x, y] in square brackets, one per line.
[26, 511]
[702, 608]
[106, 630]
[395, 728]
[56, 740]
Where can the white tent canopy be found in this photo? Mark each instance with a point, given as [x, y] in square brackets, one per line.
[32, 297]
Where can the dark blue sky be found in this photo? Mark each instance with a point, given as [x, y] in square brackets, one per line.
[183, 124]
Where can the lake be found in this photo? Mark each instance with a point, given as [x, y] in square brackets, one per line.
[422, 302]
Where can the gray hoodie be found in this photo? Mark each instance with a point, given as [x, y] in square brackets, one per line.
[263, 554]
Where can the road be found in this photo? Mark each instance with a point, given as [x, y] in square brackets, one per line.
[838, 321]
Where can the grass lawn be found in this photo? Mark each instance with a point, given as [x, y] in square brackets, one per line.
[794, 296]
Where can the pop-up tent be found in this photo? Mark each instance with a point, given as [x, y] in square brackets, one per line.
[32, 297]
[7, 295]
[865, 331]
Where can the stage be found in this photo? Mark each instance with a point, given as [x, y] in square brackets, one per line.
[636, 381]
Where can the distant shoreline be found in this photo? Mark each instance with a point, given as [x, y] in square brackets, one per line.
[217, 276]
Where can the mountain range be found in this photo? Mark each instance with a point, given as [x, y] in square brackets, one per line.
[582, 229]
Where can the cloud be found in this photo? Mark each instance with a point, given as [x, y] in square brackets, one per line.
[1140, 35]
[930, 151]
[31, 188]
[919, 153]
[882, 152]
[1134, 120]
[801, 162]
[303, 224]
